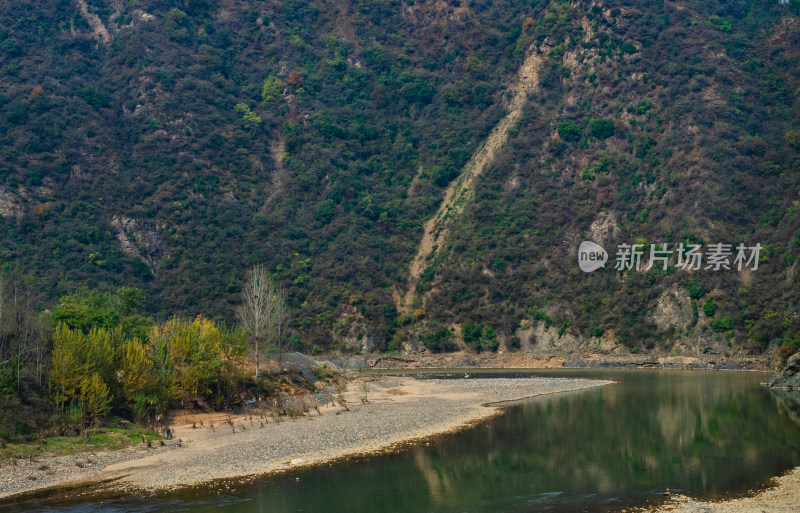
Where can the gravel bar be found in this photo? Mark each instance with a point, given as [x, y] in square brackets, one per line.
[400, 409]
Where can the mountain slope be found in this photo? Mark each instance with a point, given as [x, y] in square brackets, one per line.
[172, 145]
[460, 190]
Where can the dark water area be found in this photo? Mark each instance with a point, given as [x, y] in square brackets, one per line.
[705, 434]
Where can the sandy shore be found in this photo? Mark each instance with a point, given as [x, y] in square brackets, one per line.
[399, 410]
[784, 497]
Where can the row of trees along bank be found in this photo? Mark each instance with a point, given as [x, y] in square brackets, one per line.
[96, 353]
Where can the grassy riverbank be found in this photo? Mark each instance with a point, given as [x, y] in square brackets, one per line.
[113, 437]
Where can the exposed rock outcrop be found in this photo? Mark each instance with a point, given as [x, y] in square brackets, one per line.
[99, 31]
[673, 310]
[139, 238]
[603, 227]
[351, 332]
[789, 377]
[10, 204]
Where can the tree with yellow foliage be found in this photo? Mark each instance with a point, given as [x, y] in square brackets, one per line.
[95, 370]
[81, 365]
[200, 353]
[95, 399]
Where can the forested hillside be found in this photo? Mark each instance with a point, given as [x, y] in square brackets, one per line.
[172, 145]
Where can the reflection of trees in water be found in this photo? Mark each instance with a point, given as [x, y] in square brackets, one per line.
[702, 432]
[699, 432]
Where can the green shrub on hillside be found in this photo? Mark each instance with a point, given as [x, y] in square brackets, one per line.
[569, 131]
[710, 307]
[601, 128]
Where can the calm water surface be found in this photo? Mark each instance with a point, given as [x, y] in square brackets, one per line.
[707, 434]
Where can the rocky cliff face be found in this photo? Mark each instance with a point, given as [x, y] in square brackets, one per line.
[140, 239]
[789, 378]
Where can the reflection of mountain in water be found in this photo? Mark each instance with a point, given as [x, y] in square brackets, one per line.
[700, 432]
[788, 404]
[613, 447]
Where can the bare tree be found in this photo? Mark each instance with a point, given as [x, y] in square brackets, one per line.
[276, 321]
[262, 312]
[21, 331]
[254, 310]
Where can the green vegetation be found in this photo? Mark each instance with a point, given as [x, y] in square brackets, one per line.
[115, 435]
[695, 291]
[722, 324]
[271, 90]
[439, 340]
[720, 23]
[95, 361]
[179, 359]
[601, 128]
[249, 118]
[710, 307]
[480, 338]
[105, 353]
[569, 131]
[268, 136]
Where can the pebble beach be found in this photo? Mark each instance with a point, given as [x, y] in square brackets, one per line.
[399, 409]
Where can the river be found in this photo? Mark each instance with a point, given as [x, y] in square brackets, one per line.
[704, 434]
